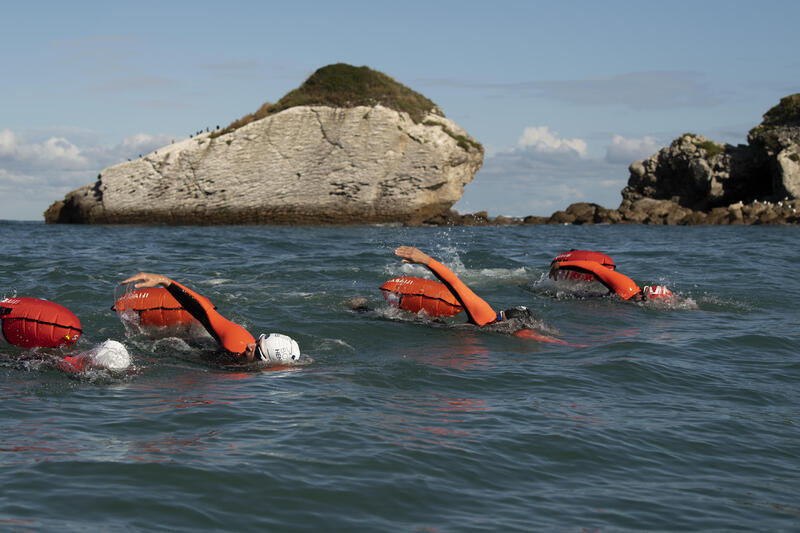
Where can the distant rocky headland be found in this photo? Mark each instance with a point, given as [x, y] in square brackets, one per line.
[349, 146]
[695, 181]
[353, 146]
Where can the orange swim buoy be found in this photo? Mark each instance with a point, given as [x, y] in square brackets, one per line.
[420, 294]
[585, 255]
[579, 255]
[155, 307]
[32, 322]
[614, 281]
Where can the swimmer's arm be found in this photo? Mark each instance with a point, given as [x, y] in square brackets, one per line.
[615, 281]
[190, 300]
[413, 255]
[187, 298]
[478, 311]
[232, 337]
[147, 279]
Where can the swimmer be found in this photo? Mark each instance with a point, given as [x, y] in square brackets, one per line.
[233, 338]
[478, 311]
[614, 281]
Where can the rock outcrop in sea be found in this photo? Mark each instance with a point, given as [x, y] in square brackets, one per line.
[349, 146]
[697, 181]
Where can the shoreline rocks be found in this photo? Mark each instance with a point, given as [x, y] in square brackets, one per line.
[644, 211]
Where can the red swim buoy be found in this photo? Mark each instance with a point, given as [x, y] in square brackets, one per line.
[31, 322]
[418, 294]
[585, 255]
[154, 307]
[580, 255]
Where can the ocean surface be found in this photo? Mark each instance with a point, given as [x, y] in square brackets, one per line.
[677, 417]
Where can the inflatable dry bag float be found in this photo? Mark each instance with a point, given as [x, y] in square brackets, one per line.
[31, 323]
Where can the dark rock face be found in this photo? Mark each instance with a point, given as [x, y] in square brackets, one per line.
[697, 181]
[699, 174]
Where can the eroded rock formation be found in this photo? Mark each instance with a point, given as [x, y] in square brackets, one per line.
[304, 164]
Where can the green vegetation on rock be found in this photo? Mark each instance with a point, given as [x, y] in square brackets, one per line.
[262, 112]
[343, 85]
[785, 113]
[712, 149]
[464, 142]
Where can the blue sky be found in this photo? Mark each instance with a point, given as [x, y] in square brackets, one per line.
[563, 95]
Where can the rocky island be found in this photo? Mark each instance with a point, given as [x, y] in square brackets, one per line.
[349, 146]
[353, 146]
[697, 181]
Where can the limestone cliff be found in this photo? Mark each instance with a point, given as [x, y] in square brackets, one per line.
[301, 164]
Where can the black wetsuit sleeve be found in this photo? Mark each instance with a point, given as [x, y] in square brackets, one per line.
[189, 302]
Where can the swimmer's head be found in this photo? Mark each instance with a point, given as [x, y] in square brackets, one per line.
[277, 348]
[519, 311]
[111, 355]
[650, 292]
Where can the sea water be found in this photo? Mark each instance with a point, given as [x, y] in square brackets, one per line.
[673, 417]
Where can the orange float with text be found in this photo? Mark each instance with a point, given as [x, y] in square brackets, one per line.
[155, 307]
[32, 322]
[566, 274]
[585, 255]
[420, 294]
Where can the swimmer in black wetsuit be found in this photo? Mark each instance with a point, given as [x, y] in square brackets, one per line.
[478, 311]
[617, 283]
[232, 337]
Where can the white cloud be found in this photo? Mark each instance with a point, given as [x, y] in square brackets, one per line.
[140, 143]
[53, 152]
[101, 156]
[627, 151]
[35, 174]
[25, 197]
[541, 139]
[544, 173]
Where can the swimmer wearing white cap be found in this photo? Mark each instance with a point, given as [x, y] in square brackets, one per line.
[273, 348]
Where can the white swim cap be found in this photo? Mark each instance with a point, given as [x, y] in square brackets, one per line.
[277, 348]
[111, 355]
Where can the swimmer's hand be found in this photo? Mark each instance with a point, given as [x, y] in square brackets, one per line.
[412, 255]
[146, 279]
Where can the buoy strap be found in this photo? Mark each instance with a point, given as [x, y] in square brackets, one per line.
[45, 323]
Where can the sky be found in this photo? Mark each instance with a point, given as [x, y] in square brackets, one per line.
[563, 95]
